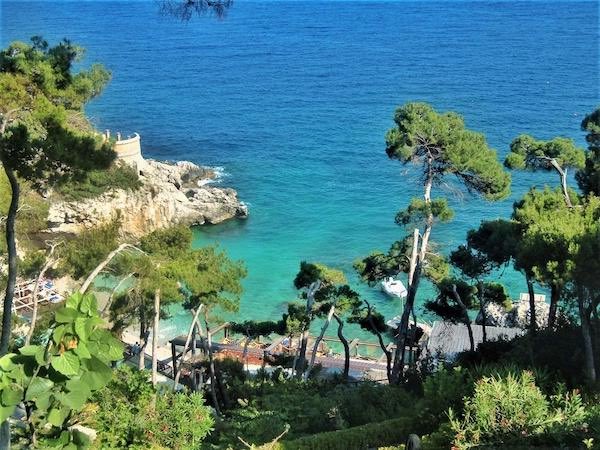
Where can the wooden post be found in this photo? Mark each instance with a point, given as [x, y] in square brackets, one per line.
[174, 357]
[155, 337]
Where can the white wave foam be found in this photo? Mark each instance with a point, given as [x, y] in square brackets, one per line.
[219, 172]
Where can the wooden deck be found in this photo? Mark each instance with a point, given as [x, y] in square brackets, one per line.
[258, 353]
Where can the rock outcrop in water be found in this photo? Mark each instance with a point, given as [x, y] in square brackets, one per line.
[517, 317]
[170, 194]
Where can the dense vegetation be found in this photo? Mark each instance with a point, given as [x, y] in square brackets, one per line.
[60, 375]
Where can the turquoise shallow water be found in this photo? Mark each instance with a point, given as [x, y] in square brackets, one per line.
[293, 100]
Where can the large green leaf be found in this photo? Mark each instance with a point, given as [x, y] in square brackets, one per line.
[42, 402]
[81, 328]
[78, 394]
[88, 305]
[65, 315]
[6, 362]
[67, 363]
[115, 351]
[30, 350]
[38, 386]
[12, 395]
[58, 333]
[97, 375]
[82, 350]
[57, 416]
[73, 300]
[6, 412]
[34, 350]
[92, 323]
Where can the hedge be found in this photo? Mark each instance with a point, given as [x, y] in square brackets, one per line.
[386, 433]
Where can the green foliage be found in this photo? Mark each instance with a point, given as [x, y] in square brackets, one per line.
[182, 274]
[31, 218]
[311, 272]
[308, 407]
[550, 232]
[421, 133]
[55, 380]
[471, 263]
[370, 435]
[32, 263]
[96, 182]
[129, 413]
[588, 178]
[377, 266]
[418, 211]
[446, 305]
[513, 410]
[84, 252]
[497, 239]
[527, 152]
[587, 264]
[496, 293]
[168, 241]
[255, 329]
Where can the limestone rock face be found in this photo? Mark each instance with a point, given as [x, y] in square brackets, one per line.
[517, 317]
[171, 194]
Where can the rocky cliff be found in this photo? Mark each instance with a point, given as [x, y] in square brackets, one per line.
[170, 194]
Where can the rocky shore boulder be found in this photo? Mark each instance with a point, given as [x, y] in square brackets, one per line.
[170, 194]
[516, 317]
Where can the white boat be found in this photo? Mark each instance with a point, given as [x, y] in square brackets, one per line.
[394, 288]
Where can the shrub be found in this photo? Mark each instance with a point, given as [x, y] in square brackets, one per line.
[130, 413]
[97, 182]
[512, 410]
[378, 434]
[82, 254]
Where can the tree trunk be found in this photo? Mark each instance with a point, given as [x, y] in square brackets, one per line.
[413, 256]
[245, 352]
[344, 341]
[155, 337]
[586, 333]
[532, 314]
[12, 261]
[187, 344]
[211, 366]
[386, 352]
[555, 292]
[402, 330]
[318, 341]
[49, 263]
[310, 299]
[301, 361]
[562, 173]
[482, 305]
[88, 281]
[465, 316]
[143, 341]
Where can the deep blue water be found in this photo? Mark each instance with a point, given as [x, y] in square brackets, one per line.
[293, 100]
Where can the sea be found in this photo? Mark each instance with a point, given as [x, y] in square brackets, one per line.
[291, 101]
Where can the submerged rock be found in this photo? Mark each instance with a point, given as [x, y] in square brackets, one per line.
[170, 194]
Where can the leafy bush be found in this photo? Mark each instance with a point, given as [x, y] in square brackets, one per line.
[97, 182]
[512, 410]
[54, 380]
[130, 413]
[83, 253]
[389, 432]
[539, 351]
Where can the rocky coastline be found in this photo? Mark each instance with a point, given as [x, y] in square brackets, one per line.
[170, 194]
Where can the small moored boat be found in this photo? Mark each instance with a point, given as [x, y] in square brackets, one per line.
[394, 288]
